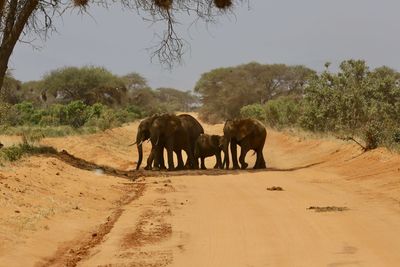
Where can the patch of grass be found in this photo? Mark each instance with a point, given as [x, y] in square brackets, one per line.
[47, 131]
[16, 152]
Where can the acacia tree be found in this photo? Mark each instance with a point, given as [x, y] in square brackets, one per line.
[19, 18]
[224, 91]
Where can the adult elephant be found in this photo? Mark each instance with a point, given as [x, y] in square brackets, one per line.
[194, 130]
[249, 134]
[167, 131]
[143, 134]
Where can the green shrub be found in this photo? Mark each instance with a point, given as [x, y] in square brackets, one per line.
[133, 109]
[372, 135]
[396, 136]
[106, 120]
[255, 111]
[16, 152]
[25, 111]
[96, 110]
[77, 113]
[13, 153]
[283, 111]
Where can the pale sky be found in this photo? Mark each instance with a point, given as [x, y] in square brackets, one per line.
[307, 32]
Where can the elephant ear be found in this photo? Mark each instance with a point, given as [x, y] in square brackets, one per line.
[229, 128]
[244, 130]
[173, 126]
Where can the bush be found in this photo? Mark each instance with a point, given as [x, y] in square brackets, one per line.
[283, 111]
[372, 135]
[255, 111]
[61, 120]
[16, 152]
[396, 136]
[77, 113]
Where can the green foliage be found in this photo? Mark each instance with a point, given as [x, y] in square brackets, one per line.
[356, 101]
[396, 136]
[15, 152]
[134, 81]
[58, 119]
[162, 100]
[225, 91]
[10, 89]
[283, 111]
[89, 84]
[255, 111]
[76, 113]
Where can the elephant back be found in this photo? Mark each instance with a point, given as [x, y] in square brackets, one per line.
[240, 128]
[167, 124]
[191, 125]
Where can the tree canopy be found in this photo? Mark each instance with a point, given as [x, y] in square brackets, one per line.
[224, 91]
[90, 84]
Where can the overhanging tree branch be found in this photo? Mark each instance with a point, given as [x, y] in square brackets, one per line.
[21, 17]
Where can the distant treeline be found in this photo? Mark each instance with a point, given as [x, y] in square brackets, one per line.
[83, 100]
[355, 102]
[92, 85]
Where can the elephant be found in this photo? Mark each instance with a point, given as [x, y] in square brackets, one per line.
[189, 125]
[208, 146]
[249, 134]
[168, 131]
[194, 130]
[143, 134]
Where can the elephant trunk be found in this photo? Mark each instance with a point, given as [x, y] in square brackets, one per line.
[140, 152]
[139, 146]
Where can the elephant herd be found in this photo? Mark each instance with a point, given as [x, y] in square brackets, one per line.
[175, 133]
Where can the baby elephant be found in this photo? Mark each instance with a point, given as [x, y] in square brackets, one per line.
[208, 146]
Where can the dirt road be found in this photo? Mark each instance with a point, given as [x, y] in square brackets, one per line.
[205, 218]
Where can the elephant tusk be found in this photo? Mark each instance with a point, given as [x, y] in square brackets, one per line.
[132, 144]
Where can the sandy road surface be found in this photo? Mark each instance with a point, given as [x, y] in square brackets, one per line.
[206, 218]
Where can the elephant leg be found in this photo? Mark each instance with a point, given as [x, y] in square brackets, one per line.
[150, 159]
[180, 160]
[195, 164]
[216, 166]
[187, 163]
[191, 158]
[170, 155]
[234, 154]
[203, 165]
[158, 158]
[196, 159]
[218, 163]
[226, 158]
[242, 157]
[260, 162]
[161, 158]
